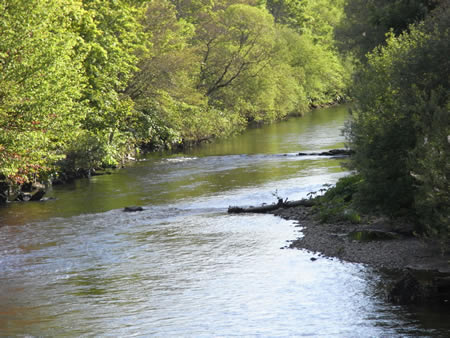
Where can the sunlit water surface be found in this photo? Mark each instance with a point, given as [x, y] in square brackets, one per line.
[78, 265]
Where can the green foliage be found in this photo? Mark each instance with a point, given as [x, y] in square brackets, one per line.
[430, 161]
[215, 65]
[111, 34]
[63, 66]
[288, 12]
[367, 22]
[325, 77]
[400, 129]
[174, 123]
[40, 85]
[87, 152]
[337, 203]
[83, 82]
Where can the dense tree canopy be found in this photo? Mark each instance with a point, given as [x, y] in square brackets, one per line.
[82, 83]
[215, 66]
[41, 85]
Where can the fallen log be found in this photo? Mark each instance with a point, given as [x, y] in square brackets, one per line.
[270, 207]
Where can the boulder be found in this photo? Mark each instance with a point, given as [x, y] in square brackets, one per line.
[37, 194]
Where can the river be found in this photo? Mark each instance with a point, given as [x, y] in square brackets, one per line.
[77, 265]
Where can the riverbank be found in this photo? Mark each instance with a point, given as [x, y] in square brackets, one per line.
[80, 165]
[395, 249]
[424, 272]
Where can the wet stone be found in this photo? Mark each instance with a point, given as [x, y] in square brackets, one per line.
[133, 209]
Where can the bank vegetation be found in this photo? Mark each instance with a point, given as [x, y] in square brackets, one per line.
[85, 84]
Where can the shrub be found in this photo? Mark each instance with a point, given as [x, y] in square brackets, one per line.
[336, 204]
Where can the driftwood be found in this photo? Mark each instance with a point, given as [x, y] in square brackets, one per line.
[270, 207]
[332, 152]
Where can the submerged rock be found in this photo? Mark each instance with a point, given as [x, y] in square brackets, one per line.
[45, 199]
[407, 290]
[332, 152]
[133, 209]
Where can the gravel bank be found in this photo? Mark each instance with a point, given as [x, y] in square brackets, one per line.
[400, 251]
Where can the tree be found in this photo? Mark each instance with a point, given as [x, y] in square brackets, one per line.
[173, 110]
[170, 64]
[400, 129]
[241, 42]
[367, 22]
[111, 36]
[288, 12]
[41, 83]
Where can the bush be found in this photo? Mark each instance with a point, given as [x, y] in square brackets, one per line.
[337, 203]
[90, 151]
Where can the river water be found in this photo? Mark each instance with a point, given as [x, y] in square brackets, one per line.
[79, 266]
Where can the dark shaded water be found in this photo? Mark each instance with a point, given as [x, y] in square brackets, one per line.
[78, 265]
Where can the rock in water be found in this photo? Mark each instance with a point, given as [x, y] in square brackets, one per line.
[133, 209]
[37, 195]
[31, 192]
[332, 152]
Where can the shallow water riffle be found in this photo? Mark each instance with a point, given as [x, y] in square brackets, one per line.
[79, 265]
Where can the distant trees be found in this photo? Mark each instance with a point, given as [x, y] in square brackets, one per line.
[215, 66]
[241, 42]
[82, 83]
